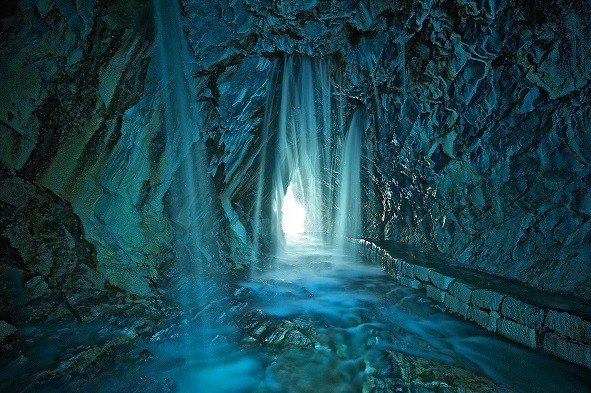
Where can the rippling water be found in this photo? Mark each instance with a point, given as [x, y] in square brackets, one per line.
[365, 332]
[316, 318]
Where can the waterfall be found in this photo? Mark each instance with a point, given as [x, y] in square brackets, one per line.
[189, 197]
[308, 150]
[184, 151]
[179, 110]
[402, 65]
[349, 187]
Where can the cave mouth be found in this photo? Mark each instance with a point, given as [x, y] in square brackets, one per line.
[293, 215]
[314, 144]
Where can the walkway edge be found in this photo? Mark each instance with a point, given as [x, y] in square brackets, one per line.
[560, 333]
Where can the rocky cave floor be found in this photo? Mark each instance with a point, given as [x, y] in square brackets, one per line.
[311, 319]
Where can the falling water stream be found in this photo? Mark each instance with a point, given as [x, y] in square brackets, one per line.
[311, 147]
[190, 209]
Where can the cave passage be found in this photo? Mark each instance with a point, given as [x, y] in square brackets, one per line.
[313, 309]
[293, 215]
[295, 196]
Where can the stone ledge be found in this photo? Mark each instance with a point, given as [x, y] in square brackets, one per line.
[488, 320]
[461, 290]
[484, 301]
[411, 282]
[422, 273]
[455, 305]
[569, 350]
[569, 326]
[522, 313]
[407, 269]
[517, 332]
[441, 281]
[487, 299]
[435, 293]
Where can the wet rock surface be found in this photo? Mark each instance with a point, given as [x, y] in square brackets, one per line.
[477, 147]
[49, 269]
[477, 129]
[70, 75]
[312, 355]
[60, 319]
[479, 164]
[284, 329]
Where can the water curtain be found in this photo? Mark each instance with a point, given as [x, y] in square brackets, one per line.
[313, 145]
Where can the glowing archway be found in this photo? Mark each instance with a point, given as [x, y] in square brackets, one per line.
[293, 215]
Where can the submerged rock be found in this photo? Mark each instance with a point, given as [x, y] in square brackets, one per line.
[6, 330]
[399, 372]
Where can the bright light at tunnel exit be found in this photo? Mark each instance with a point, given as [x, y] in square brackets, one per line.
[293, 215]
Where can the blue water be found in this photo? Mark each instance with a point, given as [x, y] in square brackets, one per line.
[319, 318]
[356, 319]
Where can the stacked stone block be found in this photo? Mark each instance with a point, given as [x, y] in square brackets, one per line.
[558, 332]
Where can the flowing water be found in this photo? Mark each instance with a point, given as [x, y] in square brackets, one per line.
[318, 318]
[314, 317]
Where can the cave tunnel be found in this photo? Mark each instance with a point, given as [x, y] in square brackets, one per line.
[295, 196]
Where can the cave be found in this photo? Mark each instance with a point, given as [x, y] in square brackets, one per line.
[295, 196]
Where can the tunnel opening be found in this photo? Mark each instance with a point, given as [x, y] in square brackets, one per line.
[313, 147]
[293, 215]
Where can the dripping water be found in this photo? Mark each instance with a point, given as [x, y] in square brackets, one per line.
[349, 187]
[402, 63]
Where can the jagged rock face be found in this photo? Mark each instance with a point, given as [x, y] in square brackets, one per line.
[481, 118]
[486, 158]
[47, 268]
[70, 77]
[477, 138]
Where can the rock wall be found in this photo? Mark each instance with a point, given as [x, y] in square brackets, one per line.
[483, 150]
[47, 267]
[72, 76]
[477, 138]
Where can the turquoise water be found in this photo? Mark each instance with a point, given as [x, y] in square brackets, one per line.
[360, 331]
[317, 318]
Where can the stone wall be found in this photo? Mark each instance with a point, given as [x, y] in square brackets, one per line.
[555, 324]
